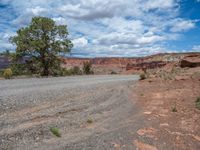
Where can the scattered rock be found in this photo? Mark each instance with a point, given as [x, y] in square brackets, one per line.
[181, 78]
[164, 125]
[148, 132]
[144, 146]
[147, 112]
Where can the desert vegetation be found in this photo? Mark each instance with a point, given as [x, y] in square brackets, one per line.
[7, 73]
[143, 76]
[55, 131]
[198, 103]
[87, 68]
[40, 47]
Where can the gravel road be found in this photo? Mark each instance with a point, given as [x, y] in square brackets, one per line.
[29, 107]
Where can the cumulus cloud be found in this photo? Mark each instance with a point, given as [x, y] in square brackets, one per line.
[182, 25]
[108, 27]
[80, 42]
[4, 38]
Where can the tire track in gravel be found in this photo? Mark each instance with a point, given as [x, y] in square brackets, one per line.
[107, 100]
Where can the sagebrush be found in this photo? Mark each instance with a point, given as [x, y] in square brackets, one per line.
[7, 73]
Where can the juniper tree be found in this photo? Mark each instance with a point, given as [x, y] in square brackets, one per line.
[42, 41]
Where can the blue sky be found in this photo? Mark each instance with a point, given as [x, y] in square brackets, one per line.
[123, 28]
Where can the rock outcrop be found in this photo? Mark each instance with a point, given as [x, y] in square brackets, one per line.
[146, 65]
[190, 61]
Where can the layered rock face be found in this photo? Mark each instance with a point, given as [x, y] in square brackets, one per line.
[137, 64]
[126, 65]
[99, 61]
[190, 61]
[146, 65]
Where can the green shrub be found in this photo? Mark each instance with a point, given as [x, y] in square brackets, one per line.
[58, 72]
[73, 71]
[142, 76]
[20, 69]
[198, 103]
[1, 73]
[76, 71]
[55, 131]
[90, 121]
[113, 72]
[87, 68]
[174, 109]
[7, 73]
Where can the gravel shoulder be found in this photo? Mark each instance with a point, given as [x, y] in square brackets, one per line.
[29, 107]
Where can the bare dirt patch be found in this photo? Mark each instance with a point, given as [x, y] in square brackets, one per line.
[170, 112]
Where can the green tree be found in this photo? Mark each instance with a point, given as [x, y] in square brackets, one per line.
[43, 42]
[87, 68]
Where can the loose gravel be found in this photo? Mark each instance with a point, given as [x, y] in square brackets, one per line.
[30, 107]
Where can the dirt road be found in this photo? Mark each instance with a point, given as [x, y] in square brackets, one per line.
[29, 107]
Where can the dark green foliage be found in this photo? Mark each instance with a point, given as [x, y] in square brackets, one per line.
[142, 76]
[76, 71]
[90, 121]
[42, 42]
[87, 68]
[197, 103]
[1, 73]
[73, 71]
[113, 72]
[174, 109]
[20, 69]
[55, 131]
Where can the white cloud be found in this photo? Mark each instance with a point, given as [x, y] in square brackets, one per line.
[150, 39]
[160, 4]
[112, 27]
[37, 10]
[182, 25]
[4, 40]
[80, 42]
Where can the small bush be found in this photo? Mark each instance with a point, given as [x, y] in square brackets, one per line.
[19, 69]
[87, 68]
[7, 73]
[198, 103]
[76, 71]
[55, 131]
[1, 73]
[142, 76]
[113, 72]
[73, 71]
[89, 121]
[174, 109]
[67, 72]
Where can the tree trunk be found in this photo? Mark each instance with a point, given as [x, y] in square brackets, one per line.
[45, 66]
[46, 70]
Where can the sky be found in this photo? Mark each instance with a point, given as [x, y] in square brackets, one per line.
[111, 28]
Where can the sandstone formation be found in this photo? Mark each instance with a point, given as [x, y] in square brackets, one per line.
[190, 61]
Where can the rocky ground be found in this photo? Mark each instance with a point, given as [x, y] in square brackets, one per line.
[171, 117]
[109, 112]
